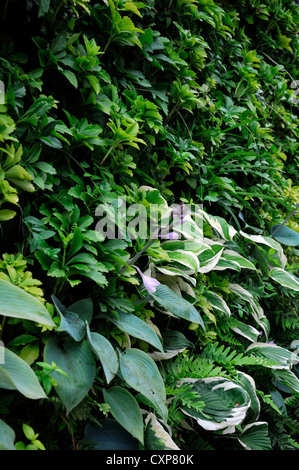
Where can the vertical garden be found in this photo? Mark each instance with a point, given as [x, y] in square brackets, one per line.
[117, 117]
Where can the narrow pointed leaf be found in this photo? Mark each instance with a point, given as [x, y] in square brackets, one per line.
[104, 351]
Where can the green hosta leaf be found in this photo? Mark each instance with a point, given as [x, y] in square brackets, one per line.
[70, 322]
[16, 374]
[156, 437]
[282, 358]
[284, 278]
[225, 404]
[109, 435]
[177, 305]
[285, 235]
[125, 409]
[77, 361]
[103, 349]
[15, 302]
[255, 437]
[141, 373]
[7, 437]
[136, 327]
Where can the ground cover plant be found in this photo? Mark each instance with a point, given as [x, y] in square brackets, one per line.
[116, 337]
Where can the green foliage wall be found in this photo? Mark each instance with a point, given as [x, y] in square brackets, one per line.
[177, 101]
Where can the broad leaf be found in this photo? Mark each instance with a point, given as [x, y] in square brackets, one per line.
[16, 374]
[156, 437]
[255, 437]
[77, 361]
[136, 327]
[284, 278]
[15, 302]
[7, 437]
[109, 435]
[104, 351]
[125, 409]
[141, 373]
[177, 305]
[281, 357]
[285, 235]
[225, 404]
[70, 322]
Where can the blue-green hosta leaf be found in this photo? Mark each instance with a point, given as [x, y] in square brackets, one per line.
[83, 308]
[16, 374]
[156, 437]
[7, 437]
[284, 278]
[70, 322]
[285, 235]
[177, 305]
[77, 361]
[255, 437]
[15, 302]
[141, 373]
[225, 404]
[125, 409]
[104, 351]
[134, 326]
[109, 435]
[281, 357]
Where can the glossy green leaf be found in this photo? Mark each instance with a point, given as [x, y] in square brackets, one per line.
[15, 302]
[125, 409]
[255, 437]
[141, 373]
[77, 361]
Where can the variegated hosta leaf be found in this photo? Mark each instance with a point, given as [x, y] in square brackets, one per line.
[284, 278]
[268, 241]
[256, 309]
[208, 260]
[244, 329]
[174, 342]
[282, 358]
[225, 404]
[156, 437]
[255, 437]
[217, 302]
[225, 230]
[286, 377]
[248, 384]
[239, 261]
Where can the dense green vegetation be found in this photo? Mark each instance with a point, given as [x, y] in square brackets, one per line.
[141, 342]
